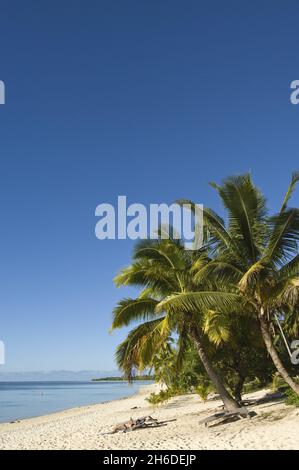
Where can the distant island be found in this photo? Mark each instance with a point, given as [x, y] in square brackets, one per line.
[122, 379]
[55, 375]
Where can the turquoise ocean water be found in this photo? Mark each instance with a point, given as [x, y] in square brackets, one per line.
[20, 400]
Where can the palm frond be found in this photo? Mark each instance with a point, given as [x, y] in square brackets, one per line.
[284, 236]
[188, 302]
[290, 190]
[219, 270]
[246, 209]
[147, 273]
[128, 354]
[289, 269]
[251, 277]
[129, 310]
[217, 326]
[289, 293]
[164, 251]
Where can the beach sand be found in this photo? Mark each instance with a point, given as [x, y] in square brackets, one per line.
[276, 426]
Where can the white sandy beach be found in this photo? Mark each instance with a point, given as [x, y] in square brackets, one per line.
[276, 426]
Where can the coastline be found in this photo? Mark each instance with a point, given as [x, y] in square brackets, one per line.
[74, 409]
[32, 399]
[276, 426]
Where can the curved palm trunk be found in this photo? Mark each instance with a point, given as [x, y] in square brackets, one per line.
[238, 388]
[273, 354]
[229, 403]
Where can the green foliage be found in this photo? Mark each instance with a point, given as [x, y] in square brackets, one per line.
[253, 386]
[246, 273]
[204, 388]
[141, 378]
[292, 398]
[164, 395]
[278, 384]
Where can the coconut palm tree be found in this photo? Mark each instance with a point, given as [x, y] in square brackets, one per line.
[255, 256]
[163, 268]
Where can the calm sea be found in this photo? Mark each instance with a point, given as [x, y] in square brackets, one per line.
[20, 400]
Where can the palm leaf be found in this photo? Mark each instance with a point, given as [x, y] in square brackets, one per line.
[129, 310]
[246, 208]
[128, 354]
[216, 227]
[219, 270]
[289, 269]
[251, 277]
[217, 326]
[197, 301]
[284, 236]
[148, 273]
[290, 190]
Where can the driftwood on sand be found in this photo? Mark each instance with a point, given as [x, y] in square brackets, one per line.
[224, 417]
[139, 423]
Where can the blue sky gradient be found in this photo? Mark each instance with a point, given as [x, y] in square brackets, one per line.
[150, 99]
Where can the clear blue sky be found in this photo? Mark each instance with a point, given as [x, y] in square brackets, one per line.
[151, 99]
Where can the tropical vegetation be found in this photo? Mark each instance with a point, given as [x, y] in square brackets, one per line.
[213, 318]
